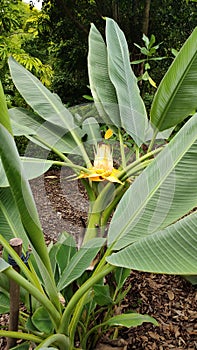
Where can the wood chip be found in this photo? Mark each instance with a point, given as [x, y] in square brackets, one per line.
[170, 295]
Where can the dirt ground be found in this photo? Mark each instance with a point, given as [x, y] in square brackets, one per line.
[171, 300]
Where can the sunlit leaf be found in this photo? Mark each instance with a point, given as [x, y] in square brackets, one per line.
[10, 221]
[42, 101]
[32, 167]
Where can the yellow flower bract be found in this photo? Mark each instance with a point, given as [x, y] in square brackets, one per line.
[103, 166]
[108, 134]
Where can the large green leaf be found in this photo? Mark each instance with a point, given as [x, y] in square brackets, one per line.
[163, 193]
[45, 103]
[121, 275]
[42, 101]
[80, 262]
[38, 130]
[22, 194]
[42, 321]
[172, 251]
[32, 167]
[4, 116]
[10, 221]
[176, 97]
[132, 110]
[164, 135]
[102, 89]
[4, 283]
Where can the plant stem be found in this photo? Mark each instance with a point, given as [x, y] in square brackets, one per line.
[65, 321]
[16, 244]
[107, 212]
[137, 152]
[92, 330]
[42, 298]
[93, 226]
[122, 149]
[139, 161]
[89, 190]
[82, 150]
[62, 156]
[153, 140]
[95, 211]
[75, 318]
[136, 169]
[71, 165]
[20, 335]
[59, 339]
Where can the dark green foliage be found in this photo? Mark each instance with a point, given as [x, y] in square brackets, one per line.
[70, 67]
[67, 33]
[21, 143]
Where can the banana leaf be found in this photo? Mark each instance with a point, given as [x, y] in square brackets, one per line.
[22, 195]
[176, 97]
[162, 194]
[42, 132]
[39, 98]
[32, 168]
[103, 91]
[132, 109]
[170, 251]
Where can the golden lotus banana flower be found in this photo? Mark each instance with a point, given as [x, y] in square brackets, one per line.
[103, 166]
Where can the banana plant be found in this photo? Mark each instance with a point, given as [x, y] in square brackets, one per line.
[142, 198]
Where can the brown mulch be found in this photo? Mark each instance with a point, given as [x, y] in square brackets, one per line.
[171, 300]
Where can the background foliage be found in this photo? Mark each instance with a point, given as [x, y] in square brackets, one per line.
[19, 30]
[57, 37]
[170, 21]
